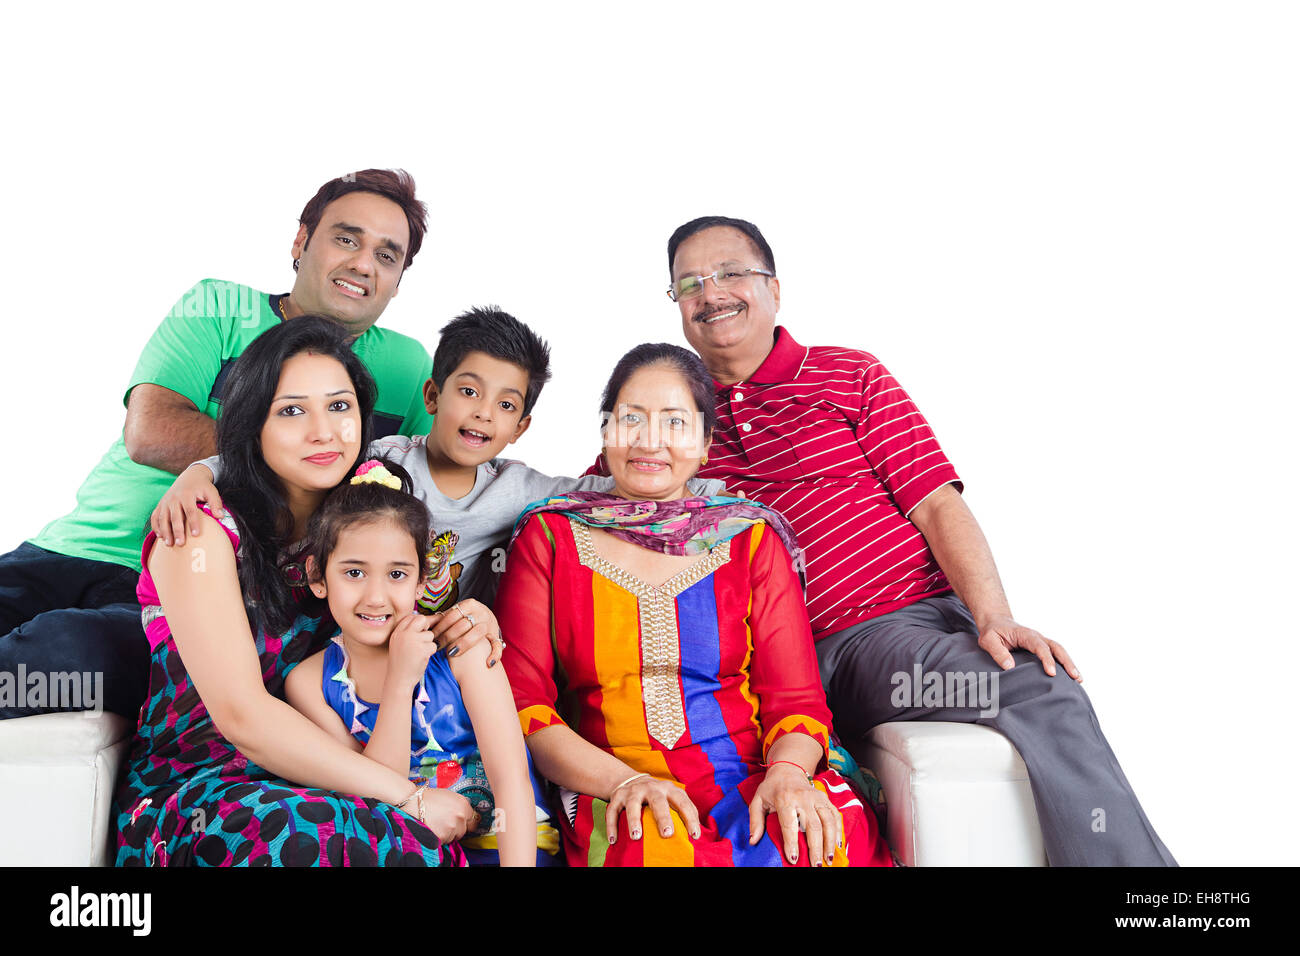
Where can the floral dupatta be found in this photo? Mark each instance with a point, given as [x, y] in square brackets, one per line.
[683, 526]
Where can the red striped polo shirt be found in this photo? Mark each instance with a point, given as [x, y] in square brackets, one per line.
[827, 437]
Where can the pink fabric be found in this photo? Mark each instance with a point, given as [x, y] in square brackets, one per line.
[147, 594]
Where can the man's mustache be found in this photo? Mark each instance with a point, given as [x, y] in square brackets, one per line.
[704, 315]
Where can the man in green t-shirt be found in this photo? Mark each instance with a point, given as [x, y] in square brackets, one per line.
[68, 611]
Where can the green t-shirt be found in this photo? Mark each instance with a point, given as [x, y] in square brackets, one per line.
[190, 353]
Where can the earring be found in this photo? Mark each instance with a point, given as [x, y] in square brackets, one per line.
[704, 461]
[295, 264]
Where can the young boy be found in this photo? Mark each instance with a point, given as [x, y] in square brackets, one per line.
[488, 371]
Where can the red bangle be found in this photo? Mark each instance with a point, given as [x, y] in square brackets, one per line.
[791, 763]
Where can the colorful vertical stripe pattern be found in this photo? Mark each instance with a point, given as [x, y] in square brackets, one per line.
[738, 682]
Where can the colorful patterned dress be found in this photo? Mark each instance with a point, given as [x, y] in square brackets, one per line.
[444, 750]
[189, 798]
[691, 681]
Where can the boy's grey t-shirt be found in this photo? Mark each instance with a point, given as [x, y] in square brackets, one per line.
[484, 518]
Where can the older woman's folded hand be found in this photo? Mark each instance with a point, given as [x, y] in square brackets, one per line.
[659, 795]
[798, 805]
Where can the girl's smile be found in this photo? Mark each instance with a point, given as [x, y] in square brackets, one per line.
[371, 580]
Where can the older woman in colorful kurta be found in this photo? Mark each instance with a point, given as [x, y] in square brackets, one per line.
[661, 658]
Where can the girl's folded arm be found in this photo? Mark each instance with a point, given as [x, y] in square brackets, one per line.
[390, 743]
[302, 688]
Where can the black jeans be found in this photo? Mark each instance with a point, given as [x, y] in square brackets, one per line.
[70, 635]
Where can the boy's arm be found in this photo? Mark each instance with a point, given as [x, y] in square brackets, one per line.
[178, 509]
[302, 688]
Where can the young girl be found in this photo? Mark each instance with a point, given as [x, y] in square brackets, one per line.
[382, 688]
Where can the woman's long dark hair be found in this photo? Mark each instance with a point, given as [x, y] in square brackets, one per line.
[254, 493]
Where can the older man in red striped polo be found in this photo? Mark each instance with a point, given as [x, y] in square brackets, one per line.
[900, 578]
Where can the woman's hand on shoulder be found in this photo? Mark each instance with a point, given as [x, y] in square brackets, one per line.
[466, 623]
[798, 805]
[659, 795]
[179, 510]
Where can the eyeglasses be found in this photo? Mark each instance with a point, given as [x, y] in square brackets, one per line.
[727, 276]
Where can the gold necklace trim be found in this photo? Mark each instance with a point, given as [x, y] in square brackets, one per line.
[660, 645]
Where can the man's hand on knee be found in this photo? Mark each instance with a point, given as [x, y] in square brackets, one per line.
[1001, 635]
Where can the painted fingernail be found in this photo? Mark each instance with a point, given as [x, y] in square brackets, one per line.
[491, 663]
[794, 857]
[695, 835]
[611, 839]
[636, 834]
[668, 831]
[453, 652]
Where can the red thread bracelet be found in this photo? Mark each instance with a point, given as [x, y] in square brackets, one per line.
[793, 764]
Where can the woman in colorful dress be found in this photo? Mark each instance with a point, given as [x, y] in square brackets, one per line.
[661, 658]
[206, 779]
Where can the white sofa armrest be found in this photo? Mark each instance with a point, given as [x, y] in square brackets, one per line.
[957, 795]
[57, 773]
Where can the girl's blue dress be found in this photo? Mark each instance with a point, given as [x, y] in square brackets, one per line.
[443, 748]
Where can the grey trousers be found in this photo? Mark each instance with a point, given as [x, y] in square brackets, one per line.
[1088, 812]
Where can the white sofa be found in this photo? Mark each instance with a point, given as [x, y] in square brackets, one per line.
[57, 773]
[957, 794]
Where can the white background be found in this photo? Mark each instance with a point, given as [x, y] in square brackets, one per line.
[1069, 229]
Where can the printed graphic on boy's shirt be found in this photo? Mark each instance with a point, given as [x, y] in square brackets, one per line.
[440, 589]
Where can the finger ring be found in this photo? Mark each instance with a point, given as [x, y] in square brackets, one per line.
[468, 618]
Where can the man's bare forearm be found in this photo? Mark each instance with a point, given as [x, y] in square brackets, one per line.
[163, 430]
[963, 553]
